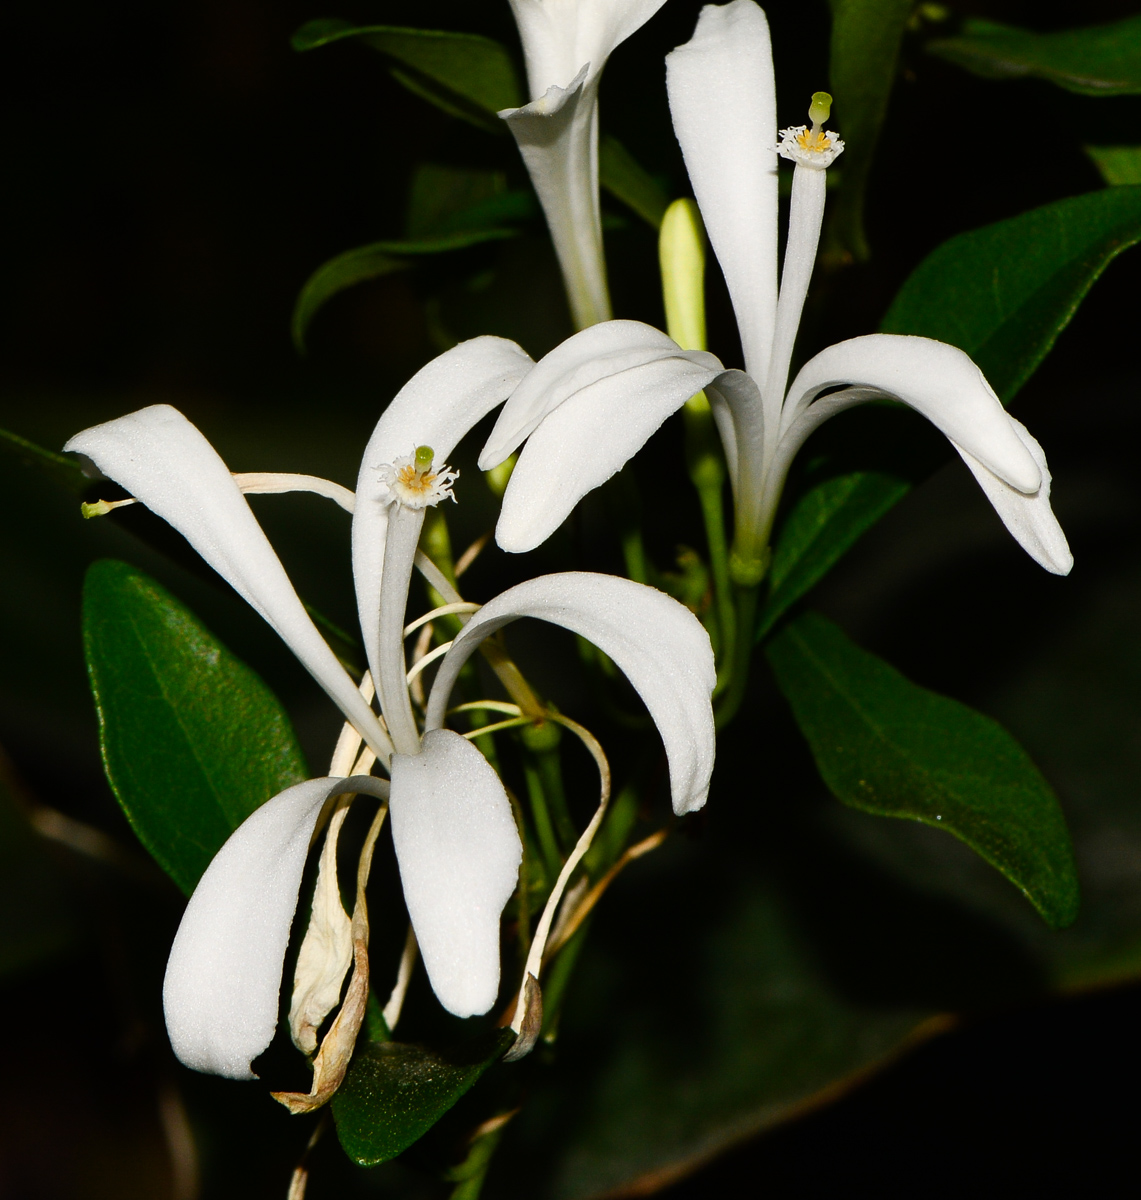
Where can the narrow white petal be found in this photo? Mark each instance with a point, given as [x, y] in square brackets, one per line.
[735, 401]
[557, 135]
[590, 436]
[588, 356]
[723, 103]
[436, 407]
[935, 379]
[459, 855]
[1029, 518]
[559, 36]
[223, 977]
[164, 461]
[658, 643]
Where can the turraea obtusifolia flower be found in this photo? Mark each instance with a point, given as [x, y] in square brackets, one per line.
[455, 838]
[723, 103]
[565, 45]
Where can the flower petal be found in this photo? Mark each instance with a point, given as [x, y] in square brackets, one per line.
[590, 436]
[938, 381]
[459, 855]
[583, 359]
[223, 977]
[557, 135]
[723, 103]
[165, 462]
[1029, 518]
[657, 642]
[436, 407]
[559, 36]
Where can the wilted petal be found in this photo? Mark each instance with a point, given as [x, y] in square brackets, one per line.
[165, 462]
[459, 855]
[723, 104]
[436, 407]
[589, 437]
[560, 36]
[1029, 518]
[223, 977]
[935, 379]
[557, 135]
[658, 643]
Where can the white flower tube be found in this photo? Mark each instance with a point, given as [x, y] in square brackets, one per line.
[565, 45]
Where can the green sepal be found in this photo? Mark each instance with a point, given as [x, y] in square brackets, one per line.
[464, 74]
[395, 1092]
[1097, 60]
[886, 746]
[192, 740]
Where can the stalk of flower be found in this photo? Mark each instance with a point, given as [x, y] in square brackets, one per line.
[457, 846]
[565, 45]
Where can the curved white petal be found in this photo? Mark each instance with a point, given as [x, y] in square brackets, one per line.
[436, 407]
[938, 381]
[1029, 518]
[589, 437]
[165, 462]
[658, 643]
[557, 135]
[223, 977]
[559, 36]
[459, 855]
[723, 103]
[583, 359]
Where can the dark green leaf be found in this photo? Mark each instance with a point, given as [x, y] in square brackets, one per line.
[63, 469]
[1118, 165]
[1003, 293]
[371, 262]
[823, 525]
[865, 47]
[466, 75]
[1099, 60]
[623, 176]
[394, 1093]
[886, 746]
[193, 741]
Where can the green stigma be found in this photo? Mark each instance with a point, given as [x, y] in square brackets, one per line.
[820, 108]
[424, 456]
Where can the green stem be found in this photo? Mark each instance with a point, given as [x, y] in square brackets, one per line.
[746, 615]
[541, 815]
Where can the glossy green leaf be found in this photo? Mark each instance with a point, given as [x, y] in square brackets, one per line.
[864, 51]
[1118, 165]
[192, 740]
[466, 75]
[64, 469]
[1098, 60]
[823, 525]
[624, 177]
[887, 746]
[372, 262]
[395, 1092]
[1005, 292]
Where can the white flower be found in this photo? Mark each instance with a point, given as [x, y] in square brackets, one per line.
[723, 104]
[566, 44]
[456, 842]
